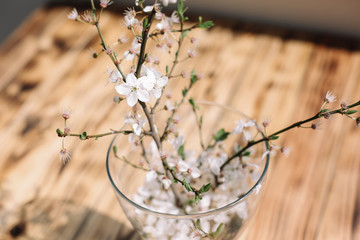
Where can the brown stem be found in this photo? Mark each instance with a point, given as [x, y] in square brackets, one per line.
[297, 124]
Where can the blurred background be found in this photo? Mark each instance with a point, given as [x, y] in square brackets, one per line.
[323, 16]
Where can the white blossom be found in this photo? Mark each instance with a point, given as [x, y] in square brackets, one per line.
[330, 97]
[151, 176]
[134, 90]
[166, 182]
[114, 76]
[130, 19]
[73, 15]
[243, 124]
[131, 53]
[138, 126]
[166, 2]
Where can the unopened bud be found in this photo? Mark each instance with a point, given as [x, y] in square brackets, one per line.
[344, 105]
[109, 51]
[66, 131]
[117, 99]
[327, 115]
[357, 120]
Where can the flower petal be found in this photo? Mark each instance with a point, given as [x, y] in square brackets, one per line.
[143, 95]
[132, 99]
[162, 82]
[147, 83]
[131, 80]
[123, 89]
[156, 92]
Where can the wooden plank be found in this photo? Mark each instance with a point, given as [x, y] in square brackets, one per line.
[267, 73]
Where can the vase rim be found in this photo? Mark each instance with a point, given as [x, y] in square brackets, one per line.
[192, 215]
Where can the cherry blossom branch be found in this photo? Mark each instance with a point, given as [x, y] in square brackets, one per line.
[103, 43]
[165, 133]
[175, 62]
[84, 135]
[323, 113]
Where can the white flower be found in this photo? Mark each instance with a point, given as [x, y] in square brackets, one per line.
[194, 172]
[155, 81]
[73, 15]
[150, 8]
[177, 142]
[182, 166]
[330, 97]
[134, 90]
[65, 156]
[114, 76]
[138, 126]
[166, 2]
[241, 125]
[151, 176]
[130, 18]
[131, 53]
[105, 3]
[166, 183]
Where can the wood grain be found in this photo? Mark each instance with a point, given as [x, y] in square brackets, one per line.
[265, 72]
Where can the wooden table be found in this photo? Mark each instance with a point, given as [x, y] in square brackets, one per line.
[266, 72]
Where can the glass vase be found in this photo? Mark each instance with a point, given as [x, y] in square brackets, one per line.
[156, 213]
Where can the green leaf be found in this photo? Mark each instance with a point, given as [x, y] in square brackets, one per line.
[205, 188]
[193, 77]
[185, 33]
[59, 132]
[246, 154]
[198, 223]
[349, 112]
[324, 110]
[83, 136]
[114, 150]
[180, 10]
[273, 137]
[197, 199]
[192, 102]
[221, 135]
[184, 92]
[181, 151]
[187, 186]
[219, 230]
[167, 69]
[207, 24]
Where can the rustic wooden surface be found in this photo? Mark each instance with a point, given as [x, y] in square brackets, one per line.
[267, 73]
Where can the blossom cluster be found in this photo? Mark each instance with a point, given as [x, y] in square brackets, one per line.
[179, 178]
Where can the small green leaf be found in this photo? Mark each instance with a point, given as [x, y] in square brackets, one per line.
[193, 77]
[207, 24]
[219, 230]
[205, 188]
[187, 186]
[197, 199]
[59, 132]
[185, 33]
[273, 137]
[114, 150]
[181, 152]
[83, 136]
[349, 112]
[192, 102]
[221, 135]
[198, 223]
[246, 154]
[167, 69]
[184, 92]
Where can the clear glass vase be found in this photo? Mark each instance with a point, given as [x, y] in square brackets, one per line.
[223, 212]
